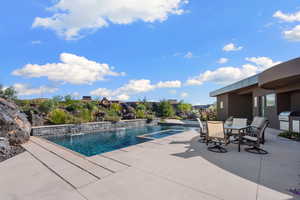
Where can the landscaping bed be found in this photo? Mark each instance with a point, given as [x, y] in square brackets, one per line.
[290, 135]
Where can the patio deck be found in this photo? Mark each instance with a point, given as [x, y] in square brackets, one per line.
[176, 167]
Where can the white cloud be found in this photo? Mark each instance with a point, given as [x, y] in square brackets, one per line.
[232, 47]
[227, 75]
[25, 90]
[134, 87]
[102, 92]
[262, 63]
[293, 17]
[184, 94]
[72, 19]
[188, 55]
[72, 69]
[223, 60]
[293, 34]
[169, 84]
[123, 97]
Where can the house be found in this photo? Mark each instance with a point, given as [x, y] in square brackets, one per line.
[106, 102]
[173, 101]
[267, 94]
[86, 98]
[202, 107]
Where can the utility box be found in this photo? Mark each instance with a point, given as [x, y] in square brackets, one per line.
[295, 126]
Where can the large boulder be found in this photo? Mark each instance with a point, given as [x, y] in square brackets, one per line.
[13, 124]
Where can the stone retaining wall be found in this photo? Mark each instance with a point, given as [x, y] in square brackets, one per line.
[88, 127]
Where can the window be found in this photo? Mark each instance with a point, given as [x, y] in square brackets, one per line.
[255, 102]
[221, 105]
[270, 100]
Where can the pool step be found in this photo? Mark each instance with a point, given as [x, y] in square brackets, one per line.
[73, 168]
[108, 164]
[74, 158]
[71, 174]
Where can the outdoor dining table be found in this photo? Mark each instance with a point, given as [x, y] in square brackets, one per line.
[240, 130]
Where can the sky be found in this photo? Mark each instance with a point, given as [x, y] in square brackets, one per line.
[131, 49]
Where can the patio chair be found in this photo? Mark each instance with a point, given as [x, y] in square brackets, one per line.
[256, 125]
[216, 135]
[229, 121]
[256, 140]
[237, 122]
[202, 132]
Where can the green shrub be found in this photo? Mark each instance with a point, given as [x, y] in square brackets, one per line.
[165, 109]
[74, 107]
[150, 118]
[116, 107]
[59, 116]
[184, 107]
[47, 106]
[112, 115]
[92, 106]
[140, 114]
[84, 115]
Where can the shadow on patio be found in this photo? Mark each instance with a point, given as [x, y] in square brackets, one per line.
[279, 170]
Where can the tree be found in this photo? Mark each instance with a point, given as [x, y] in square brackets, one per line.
[165, 109]
[58, 98]
[8, 93]
[69, 99]
[1, 90]
[184, 107]
[116, 107]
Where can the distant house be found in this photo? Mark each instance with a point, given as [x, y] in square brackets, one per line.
[86, 98]
[135, 103]
[202, 107]
[173, 101]
[106, 102]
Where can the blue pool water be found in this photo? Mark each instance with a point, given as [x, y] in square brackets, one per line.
[90, 144]
[163, 134]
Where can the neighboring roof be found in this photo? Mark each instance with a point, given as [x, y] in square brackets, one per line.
[202, 106]
[253, 80]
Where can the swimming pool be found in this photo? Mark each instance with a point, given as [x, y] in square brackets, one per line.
[90, 144]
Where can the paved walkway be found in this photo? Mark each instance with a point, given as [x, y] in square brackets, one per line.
[176, 167]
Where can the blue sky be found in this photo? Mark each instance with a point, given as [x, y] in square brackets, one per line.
[130, 49]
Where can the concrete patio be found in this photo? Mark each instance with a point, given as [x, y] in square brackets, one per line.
[176, 167]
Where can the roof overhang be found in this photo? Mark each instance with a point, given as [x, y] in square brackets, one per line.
[280, 75]
[253, 80]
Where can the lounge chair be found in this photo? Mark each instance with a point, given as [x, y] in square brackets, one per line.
[255, 139]
[202, 132]
[216, 135]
